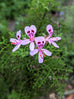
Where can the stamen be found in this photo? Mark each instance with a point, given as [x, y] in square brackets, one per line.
[13, 43]
[31, 39]
[41, 56]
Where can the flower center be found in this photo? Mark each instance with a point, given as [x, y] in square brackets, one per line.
[31, 37]
[40, 46]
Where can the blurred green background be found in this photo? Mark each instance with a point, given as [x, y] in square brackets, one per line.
[21, 77]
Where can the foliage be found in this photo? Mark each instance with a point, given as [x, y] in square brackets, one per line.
[69, 13]
[21, 76]
[12, 8]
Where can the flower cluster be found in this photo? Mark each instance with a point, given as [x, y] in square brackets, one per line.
[39, 41]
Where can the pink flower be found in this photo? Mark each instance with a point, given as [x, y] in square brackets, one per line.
[17, 41]
[49, 29]
[30, 31]
[40, 42]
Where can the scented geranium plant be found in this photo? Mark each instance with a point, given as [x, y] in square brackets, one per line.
[34, 65]
[43, 65]
[39, 41]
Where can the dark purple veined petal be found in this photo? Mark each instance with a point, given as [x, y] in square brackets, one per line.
[49, 29]
[18, 34]
[33, 29]
[27, 30]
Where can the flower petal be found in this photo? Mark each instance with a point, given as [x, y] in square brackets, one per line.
[32, 46]
[33, 52]
[27, 29]
[18, 34]
[54, 44]
[49, 29]
[26, 41]
[49, 41]
[33, 29]
[48, 53]
[55, 38]
[16, 47]
[13, 40]
[40, 58]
